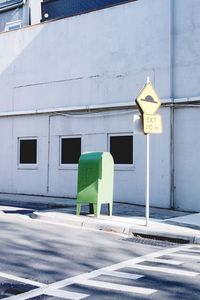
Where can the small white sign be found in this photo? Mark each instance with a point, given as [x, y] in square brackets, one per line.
[138, 124]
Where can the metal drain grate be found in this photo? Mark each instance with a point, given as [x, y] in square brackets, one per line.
[161, 238]
[155, 240]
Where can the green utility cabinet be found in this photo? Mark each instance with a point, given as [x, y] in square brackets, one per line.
[95, 181]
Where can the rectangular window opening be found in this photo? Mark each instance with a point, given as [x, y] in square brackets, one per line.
[70, 150]
[27, 151]
[121, 148]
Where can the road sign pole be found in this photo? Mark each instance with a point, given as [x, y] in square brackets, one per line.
[147, 175]
[148, 103]
[147, 181]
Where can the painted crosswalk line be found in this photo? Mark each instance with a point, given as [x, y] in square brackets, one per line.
[180, 255]
[90, 278]
[118, 287]
[165, 270]
[122, 274]
[67, 295]
[192, 251]
[22, 280]
[165, 261]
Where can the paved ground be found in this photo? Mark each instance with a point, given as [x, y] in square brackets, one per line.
[39, 260]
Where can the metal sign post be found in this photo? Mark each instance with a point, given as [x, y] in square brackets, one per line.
[147, 176]
[147, 180]
[148, 103]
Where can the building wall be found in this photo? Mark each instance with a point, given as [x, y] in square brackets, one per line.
[187, 157]
[94, 130]
[186, 48]
[86, 59]
[81, 61]
[186, 120]
[101, 58]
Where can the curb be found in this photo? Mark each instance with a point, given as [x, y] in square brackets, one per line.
[127, 229]
[34, 205]
[87, 224]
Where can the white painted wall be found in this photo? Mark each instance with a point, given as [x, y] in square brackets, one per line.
[187, 158]
[186, 46]
[94, 58]
[87, 59]
[94, 131]
[186, 120]
[97, 58]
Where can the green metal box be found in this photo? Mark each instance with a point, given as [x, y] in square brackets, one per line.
[95, 181]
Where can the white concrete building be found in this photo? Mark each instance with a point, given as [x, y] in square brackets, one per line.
[68, 86]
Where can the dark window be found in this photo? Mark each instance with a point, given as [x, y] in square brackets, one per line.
[121, 148]
[70, 150]
[54, 9]
[28, 151]
[10, 4]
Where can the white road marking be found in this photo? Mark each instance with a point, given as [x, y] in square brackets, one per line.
[23, 280]
[67, 295]
[146, 257]
[122, 274]
[165, 270]
[165, 261]
[179, 255]
[118, 287]
[192, 250]
[82, 277]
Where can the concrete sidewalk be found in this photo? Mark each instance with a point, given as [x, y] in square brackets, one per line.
[175, 229]
[127, 218]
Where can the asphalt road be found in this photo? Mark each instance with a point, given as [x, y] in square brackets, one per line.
[39, 260]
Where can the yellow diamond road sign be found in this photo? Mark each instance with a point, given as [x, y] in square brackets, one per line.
[148, 101]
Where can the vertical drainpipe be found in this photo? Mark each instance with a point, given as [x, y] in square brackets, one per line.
[172, 65]
[48, 152]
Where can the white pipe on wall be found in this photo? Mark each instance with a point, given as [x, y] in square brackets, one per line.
[68, 109]
[185, 102]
